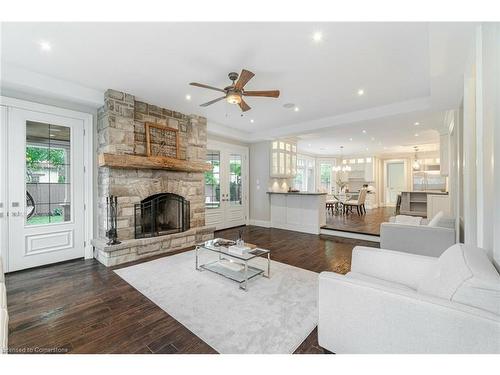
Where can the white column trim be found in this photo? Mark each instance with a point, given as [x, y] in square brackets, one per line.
[479, 138]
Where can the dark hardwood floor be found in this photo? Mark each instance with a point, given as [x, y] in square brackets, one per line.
[365, 224]
[83, 307]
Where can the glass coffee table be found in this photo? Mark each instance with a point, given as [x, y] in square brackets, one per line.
[232, 265]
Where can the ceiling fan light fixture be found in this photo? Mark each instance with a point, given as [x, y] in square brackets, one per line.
[235, 92]
[233, 98]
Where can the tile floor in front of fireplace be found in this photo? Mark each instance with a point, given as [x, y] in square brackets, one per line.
[83, 307]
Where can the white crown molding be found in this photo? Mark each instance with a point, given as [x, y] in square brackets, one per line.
[227, 132]
[414, 105]
[409, 106]
[23, 80]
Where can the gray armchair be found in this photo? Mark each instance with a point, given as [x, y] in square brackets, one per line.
[418, 239]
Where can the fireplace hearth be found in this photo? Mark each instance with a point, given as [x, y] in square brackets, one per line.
[161, 214]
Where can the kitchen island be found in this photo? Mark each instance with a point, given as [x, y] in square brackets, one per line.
[301, 211]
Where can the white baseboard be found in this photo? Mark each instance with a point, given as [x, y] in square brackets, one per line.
[260, 223]
[356, 236]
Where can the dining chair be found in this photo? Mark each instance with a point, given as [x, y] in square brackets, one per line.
[358, 203]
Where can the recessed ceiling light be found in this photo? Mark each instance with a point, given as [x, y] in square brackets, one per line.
[364, 131]
[296, 109]
[318, 36]
[417, 123]
[309, 145]
[373, 138]
[45, 46]
[350, 139]
[416, 134]
[188, 97]
[361, 92]
[367, 149]
[252, 120]
[385, 148]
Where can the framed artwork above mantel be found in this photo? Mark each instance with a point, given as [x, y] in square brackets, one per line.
[161, 140]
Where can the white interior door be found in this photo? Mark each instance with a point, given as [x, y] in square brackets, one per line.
[395, 181]
[234, 200]
[226, 186]
[45, 188]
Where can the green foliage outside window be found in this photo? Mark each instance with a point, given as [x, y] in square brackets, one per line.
[235, 184]
[37, 155]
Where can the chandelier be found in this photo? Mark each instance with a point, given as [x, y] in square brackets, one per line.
[416, 163]
[343, 168]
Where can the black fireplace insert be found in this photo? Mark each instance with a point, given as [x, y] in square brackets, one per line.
[161, 214]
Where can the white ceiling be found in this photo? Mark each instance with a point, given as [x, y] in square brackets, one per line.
[404, 68]
[388, 135]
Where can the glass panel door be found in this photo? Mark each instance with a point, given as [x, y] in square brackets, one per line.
[212, 181]
[225, 196]
[235, 193]
[46, 188]
[48, 171]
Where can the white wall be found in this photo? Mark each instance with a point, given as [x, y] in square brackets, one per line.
[259, 180]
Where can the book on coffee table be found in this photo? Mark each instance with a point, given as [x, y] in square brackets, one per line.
[257, 252]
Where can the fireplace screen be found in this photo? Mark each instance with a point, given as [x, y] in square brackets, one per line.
[161, 214]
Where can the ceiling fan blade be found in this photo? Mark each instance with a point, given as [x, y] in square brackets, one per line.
[206, 86]
[268, 93]
[212, 102]
[245, 76]
[244, 106]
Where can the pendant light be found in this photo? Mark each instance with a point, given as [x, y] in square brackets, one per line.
[416, 163]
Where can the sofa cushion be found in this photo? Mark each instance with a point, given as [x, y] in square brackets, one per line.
[377, 281]
[2, 277]
[435, 220]
[406, 219]
[446, 275]
[3, 296]
[464, 274]
[4, 330]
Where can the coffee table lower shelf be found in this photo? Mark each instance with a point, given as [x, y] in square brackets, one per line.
[238, 276]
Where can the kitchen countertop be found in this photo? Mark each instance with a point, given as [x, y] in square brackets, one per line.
[426, 192]
[294, 193]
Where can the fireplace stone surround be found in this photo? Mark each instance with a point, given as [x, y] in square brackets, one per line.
[121, 131]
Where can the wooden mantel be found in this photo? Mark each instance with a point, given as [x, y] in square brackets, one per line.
[151, 162]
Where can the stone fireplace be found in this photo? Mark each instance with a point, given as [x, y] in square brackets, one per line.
[161, 214]
[159, 210]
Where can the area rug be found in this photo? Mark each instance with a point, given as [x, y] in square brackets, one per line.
[274, 316]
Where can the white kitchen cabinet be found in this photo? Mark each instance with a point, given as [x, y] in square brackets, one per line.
[369, 169]
[436, 203]
[283, 159]
[362, 169]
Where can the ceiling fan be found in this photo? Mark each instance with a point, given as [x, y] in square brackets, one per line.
[234, 93]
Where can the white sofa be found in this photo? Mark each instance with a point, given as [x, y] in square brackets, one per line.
[395, 302]
[424, 239]
[4, 317]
